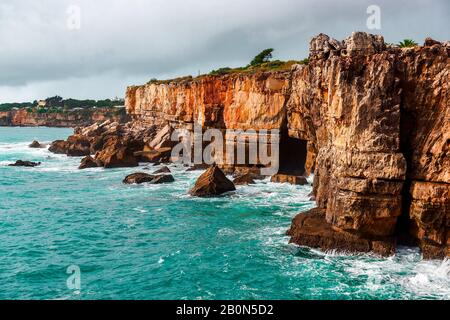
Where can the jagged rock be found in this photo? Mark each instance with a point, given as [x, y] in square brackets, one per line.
[310, 229]
[138, 178]
[162, 170]
[36, 145]
[163, 178]
[75, 146]
[88, 162]
[429, 42]
[59, 147]
[375, 118]
[78, 146]
[116, 154]
[212, 182]
[155, 156]
[162, 139]
[21, 163]
[361, 43]
[285, 178]
[245, 179]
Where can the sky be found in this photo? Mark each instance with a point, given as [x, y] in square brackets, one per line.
[88, 49]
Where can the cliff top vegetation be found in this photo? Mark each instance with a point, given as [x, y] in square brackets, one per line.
[262, 62]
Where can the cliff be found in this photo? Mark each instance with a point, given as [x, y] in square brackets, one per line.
[376, 122]
[24, 118]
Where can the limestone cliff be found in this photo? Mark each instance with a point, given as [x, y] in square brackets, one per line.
[24, 118]
[376, 119]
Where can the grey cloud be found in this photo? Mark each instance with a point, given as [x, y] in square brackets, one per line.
[127, 41]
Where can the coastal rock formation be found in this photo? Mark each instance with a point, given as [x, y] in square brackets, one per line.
[372, 121]
[285, 178]
[36, 145]
[21, 163]
[138, 178]
[212, 182]
[245, 179]
[88, 162]
[164, 170]
[163, 178]
[380, 120]
[117, 154]
[74, 118]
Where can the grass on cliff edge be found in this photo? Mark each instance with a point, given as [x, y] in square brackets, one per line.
[260, 63]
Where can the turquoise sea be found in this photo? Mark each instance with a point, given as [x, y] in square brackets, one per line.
[157, 242]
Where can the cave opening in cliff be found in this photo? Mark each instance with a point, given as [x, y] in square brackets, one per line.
[293, 154]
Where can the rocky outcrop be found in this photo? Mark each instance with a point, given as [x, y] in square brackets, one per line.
[370, 120]
[140, 177]
[379, 118]
[70, 119]
[285, 178]
[21, 163]
[245, 179]
[88, 162]
[36, 145]
[212, 182]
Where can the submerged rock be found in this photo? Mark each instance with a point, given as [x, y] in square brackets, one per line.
[21, 163]
[36, 145]
[162, 178]
[138, 178]
[141, 177]
[213, 182]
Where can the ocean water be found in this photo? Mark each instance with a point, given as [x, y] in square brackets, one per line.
[156, 242]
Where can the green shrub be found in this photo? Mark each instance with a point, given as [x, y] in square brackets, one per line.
[263, 56]
[407, 43]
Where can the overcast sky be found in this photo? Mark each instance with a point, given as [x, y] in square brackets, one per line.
[125, 42]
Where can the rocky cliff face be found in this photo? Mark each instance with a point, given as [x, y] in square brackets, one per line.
[23, 118]
[230, 102]
[376, 119]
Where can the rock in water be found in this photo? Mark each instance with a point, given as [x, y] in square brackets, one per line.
[20, 163]
[163, 178]
[117, 154]
[162, 170]
[212, 183]
[88, 162]
[79, 146]
[59, 147]
[244, 180]
[284, 178]
[35, 144]
[138, 178]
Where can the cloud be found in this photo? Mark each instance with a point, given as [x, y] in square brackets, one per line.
[122, 42]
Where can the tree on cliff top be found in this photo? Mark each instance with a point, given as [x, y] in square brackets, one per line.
[407, 43]
[263, 56]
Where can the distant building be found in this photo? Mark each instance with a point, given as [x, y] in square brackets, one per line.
[42, 103]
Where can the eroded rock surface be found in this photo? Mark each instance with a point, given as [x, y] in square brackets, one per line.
[212, 182]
